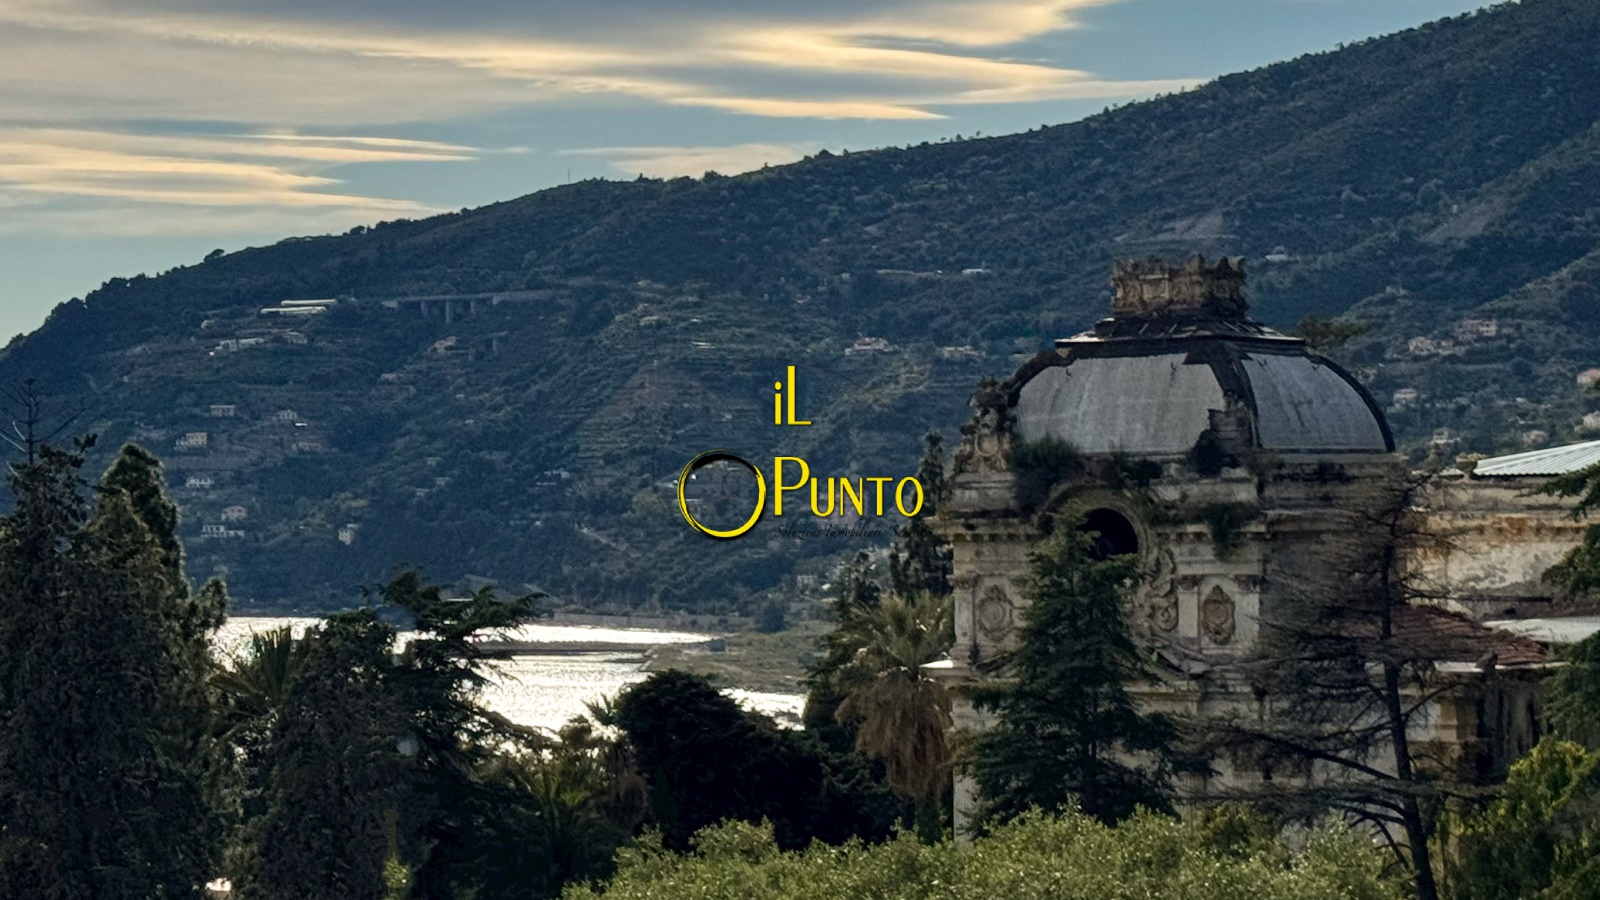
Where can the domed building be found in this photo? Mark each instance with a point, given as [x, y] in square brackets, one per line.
[1215, 449]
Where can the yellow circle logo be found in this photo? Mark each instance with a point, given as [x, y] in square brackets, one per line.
[706, 459]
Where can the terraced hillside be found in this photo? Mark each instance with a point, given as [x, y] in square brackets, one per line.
[1442, 184]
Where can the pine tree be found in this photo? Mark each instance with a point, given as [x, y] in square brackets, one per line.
[1346, 671]
[138, 474]
[1068, 732]
[1578, 572]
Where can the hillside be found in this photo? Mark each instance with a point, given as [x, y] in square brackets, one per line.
[1442, 184]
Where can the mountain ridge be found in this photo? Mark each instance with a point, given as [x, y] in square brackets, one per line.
[1416, 181]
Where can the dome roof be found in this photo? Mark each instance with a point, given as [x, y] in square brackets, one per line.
[1179, 357]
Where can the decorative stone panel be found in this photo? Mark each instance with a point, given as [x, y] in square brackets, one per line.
[1216, 616]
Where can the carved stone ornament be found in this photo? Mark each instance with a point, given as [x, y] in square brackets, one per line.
[963, 581]
[1161, 594]
[986, 438]
[1216, 616]
[994, 613]
[1151, 287]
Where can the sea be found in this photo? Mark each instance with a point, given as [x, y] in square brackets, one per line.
[545, 691]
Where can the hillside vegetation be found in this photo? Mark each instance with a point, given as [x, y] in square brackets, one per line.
[1442, 184]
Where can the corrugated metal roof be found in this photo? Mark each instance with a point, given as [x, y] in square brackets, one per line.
[1549, 461]
[1568, 630]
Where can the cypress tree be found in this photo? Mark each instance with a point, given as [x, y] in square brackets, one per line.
[186, 621]
[138, 474]
[99, 797]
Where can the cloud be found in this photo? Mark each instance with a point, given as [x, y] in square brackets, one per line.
[371, 62]
[671, 162]
[810, 109]
[236, 85]
[75, 178]
[137, 219]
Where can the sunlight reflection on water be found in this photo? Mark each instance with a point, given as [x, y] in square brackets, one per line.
[546, 691]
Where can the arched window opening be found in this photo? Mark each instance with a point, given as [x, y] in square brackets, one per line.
[1114, 534]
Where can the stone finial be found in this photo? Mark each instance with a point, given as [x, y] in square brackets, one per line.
[986, 438]
[1148, 288]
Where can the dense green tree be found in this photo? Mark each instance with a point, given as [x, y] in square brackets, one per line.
[1574, 697]
[347, 735]
[900, 715]
[102, 790]
[138, 473]
[1068, 732]
[437, 682]
[332, 778]
[1540, 838]
[187, 620]
[919, 561]
[706, 760]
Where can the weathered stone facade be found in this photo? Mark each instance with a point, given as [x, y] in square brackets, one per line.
[1498, 536]
[1215, 449]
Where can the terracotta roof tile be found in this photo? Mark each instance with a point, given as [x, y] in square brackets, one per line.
[1453, 637]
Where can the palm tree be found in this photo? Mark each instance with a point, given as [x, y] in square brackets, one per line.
[254, 688]
[902, 716]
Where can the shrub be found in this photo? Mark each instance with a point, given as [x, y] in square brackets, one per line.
[1037, 466]
[1066, 857]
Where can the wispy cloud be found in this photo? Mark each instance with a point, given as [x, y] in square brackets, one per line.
[671, 162]
[277, 173]
[810, 109]
[341, 59]
[74, 73]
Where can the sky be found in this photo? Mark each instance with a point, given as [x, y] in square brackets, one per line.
[139, 135]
